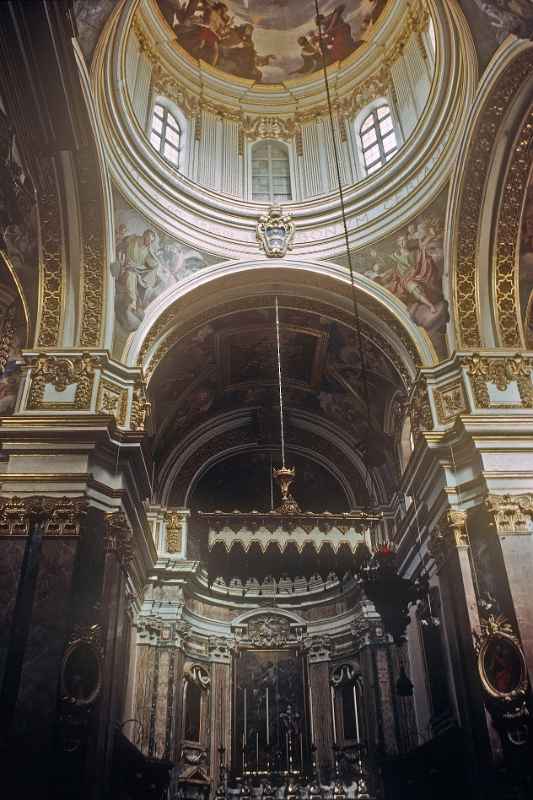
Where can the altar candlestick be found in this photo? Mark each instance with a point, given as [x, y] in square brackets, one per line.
[356, 712]
[333, 715]
[244, 726]
[267, 719]
[301, 753]
[257, 751]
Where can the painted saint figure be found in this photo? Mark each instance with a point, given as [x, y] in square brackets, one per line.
[137, 276]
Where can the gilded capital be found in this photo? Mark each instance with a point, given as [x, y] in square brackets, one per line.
[450, 532]
[511, 514]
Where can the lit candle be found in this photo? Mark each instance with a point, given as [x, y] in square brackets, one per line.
[267, 718]
[333, 715]
[356, 712]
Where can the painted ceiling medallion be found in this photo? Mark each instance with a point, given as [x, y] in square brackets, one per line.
[269, 41]
[275, 232]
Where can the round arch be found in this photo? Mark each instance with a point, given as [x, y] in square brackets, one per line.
[190, 304]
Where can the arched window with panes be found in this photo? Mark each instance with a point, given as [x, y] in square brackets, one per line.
[271, 173]
[377, 138]
[166, 134]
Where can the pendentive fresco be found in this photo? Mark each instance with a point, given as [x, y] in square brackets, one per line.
[148, 262]
[269, 41]
[410, 264]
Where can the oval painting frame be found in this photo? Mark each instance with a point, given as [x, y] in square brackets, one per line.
[502, 667]
[81, 673]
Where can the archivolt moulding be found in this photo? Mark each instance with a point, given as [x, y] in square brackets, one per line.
[202, 297]
[484, 209]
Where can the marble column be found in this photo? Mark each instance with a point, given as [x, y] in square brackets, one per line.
[221, 708]
[512, 520]
[451, 548]
[319, 652]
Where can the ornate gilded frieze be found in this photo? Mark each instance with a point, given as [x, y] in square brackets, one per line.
[501, 372]
[52, 278]
[449, 402]
[476, 173]
[60, 517]
[94, 249]
[511, 514]
[507, 245]
[62, 373]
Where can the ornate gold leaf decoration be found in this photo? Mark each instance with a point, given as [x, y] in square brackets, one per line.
[140, 406]
[449, 402]
[112, 400]
[474, 180]
[61, 517]
[507, 247]
[94, 250]
[174, 529]
[51, 266]
[500, 371]
[511, 514]
[61, 372]
[6, 337]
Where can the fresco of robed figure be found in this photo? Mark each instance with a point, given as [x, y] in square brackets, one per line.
[270, 41]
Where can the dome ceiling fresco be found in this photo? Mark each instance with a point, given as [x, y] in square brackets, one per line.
[270, 41]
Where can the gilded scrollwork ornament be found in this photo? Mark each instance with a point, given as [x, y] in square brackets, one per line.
[140, 406]
[61, 372]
